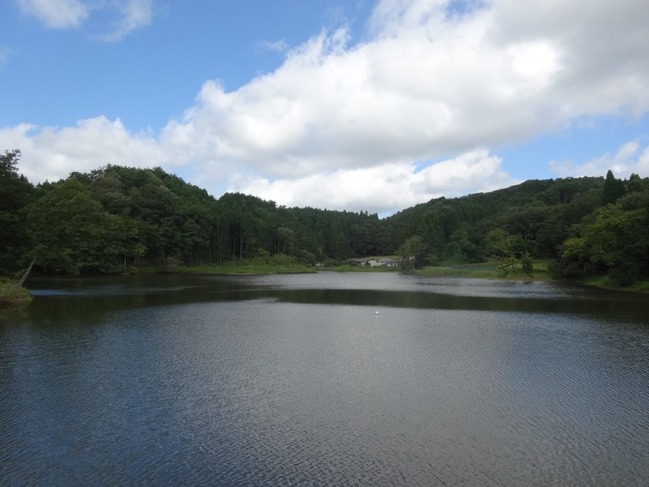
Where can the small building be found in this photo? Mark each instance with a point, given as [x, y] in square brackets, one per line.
[388, 262]
[382, 262]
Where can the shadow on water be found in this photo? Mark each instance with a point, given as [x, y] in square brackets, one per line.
[72, 301]
[428, 300]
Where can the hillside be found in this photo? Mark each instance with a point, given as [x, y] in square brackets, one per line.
[116, 218]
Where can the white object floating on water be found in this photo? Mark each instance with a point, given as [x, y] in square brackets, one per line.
[376, 312]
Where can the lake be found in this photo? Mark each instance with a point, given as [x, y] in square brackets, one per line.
[323, 379]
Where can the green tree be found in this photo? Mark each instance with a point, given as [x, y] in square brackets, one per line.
[635, 184]
[286, 240]
[613, 240]
[461, 248]
[411, 252]
[69, 227]
[501, 246]
[613, 188]
[527, 264]
[341, 248]
[15, 194]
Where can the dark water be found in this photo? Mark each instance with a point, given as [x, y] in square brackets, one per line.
[327, 379]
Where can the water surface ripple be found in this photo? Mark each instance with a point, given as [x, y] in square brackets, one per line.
[324, 380]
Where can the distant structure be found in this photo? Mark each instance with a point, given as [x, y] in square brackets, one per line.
[382, 262]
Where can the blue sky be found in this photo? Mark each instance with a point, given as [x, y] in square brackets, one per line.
[359, 104]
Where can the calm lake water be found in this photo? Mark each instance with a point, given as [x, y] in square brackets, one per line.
[324, 379]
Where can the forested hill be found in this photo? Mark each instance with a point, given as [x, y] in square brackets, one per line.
[537, 214]
[115, 218]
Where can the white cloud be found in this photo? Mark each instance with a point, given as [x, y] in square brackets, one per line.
[66, 14]
[275, 46]
[57, 14]
[386, 187]
[630, 158]
[134, 14]
[339, 124]
[53, 153]
[424, 87]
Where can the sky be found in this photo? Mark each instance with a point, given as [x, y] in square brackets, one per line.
[359, 105]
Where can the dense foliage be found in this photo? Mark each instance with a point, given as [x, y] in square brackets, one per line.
[15, 195]
[116, 218]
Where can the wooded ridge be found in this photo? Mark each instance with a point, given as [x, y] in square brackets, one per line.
[115, 219]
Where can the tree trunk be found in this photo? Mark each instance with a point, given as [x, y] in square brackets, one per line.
[29, 269]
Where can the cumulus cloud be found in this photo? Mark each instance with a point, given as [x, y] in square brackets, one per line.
[66, 14]
[630, 158]
[365, 125]
[53, 153]
[386, 187]
[425, 86]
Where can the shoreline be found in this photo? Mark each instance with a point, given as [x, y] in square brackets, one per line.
[13, 295]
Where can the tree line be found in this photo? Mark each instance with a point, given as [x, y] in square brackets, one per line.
[115, 218]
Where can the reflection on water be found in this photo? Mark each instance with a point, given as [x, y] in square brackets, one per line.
[202, 380]
[80, 299]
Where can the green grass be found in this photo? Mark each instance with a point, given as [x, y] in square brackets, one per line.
[605, 282]
[11, 294]
[457, 272]
[357, 268]
[251, 269]
[488, 270]
[642, 286]
[276, 264]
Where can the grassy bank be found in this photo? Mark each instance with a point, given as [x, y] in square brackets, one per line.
[276, 264]
[540, 273]
[605, 282]
[251, 269]
[12, 294]
[357, 268]
[257, 268]
[488, 270]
